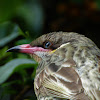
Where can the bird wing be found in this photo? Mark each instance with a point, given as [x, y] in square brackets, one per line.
[62, 82]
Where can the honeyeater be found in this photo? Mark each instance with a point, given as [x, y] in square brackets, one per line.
[69, 66]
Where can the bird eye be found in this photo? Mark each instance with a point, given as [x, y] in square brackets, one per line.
[47, 44]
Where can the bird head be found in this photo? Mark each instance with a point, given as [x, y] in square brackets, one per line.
[47, 44]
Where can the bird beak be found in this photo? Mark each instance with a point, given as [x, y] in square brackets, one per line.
[26, 48]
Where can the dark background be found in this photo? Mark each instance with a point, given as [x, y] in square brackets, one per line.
[21, 21]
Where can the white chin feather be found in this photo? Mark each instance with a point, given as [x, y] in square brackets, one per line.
[40, 54]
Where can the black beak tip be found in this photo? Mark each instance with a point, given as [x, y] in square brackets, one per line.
[14, 49]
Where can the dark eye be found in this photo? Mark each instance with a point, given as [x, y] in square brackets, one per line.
[47, 44]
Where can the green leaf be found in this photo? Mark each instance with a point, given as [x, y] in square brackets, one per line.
[8, 69]
[3, 52]
[4, 57]
[10, 33]
[23, 41]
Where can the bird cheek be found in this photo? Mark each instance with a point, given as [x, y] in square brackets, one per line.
[36, 58]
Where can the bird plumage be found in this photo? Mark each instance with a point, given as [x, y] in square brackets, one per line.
[69, 69]
[76, 61]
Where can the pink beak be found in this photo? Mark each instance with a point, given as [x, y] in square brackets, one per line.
[26, 48]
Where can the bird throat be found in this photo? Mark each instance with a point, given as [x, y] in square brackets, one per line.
[36, 58]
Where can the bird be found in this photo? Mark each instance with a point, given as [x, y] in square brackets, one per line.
[69, 66]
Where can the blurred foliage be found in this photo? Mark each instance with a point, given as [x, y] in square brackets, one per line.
[12, 66]
[27, 14]
[21, 21]
[15, 74]
[8, 33]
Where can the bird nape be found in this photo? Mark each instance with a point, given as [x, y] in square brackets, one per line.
[69, 66]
